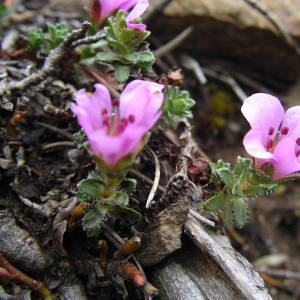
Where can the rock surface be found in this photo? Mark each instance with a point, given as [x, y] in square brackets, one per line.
[236, 32]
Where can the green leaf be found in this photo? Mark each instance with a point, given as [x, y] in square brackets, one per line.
[35, 38]
[46, 41]
[129, 185]
[215, 202]
[239, 212]
[91, 187]
[227, 178]
[94, 218]
[177, 104]
[140, 58]
[132, 212]
[117, 198]
[107, 56]
[122, 73]
[56, 33]
[228, 211]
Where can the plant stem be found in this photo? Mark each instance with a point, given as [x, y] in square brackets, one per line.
[8, 271]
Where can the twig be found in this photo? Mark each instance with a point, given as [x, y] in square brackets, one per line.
[54, 57]
[97, 75]
[227, 79]
[201, 219]
[146, 179]
[55, 129]
[38, 209]
[173, 43]
[50, 146]
[280, 273]
[156, 179]
[13, 273]
[276, 22]
[89, 39]
[191, 64]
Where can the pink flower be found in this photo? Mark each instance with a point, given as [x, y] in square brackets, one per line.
[274, 136]
[101, 9]
[136, 12]
[115, 128]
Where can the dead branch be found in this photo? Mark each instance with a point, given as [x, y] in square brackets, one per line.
[51, 62]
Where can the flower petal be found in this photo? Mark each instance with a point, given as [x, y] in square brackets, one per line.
[136, 12]
[255, 144]
[263, 111]
[127, 4]
[143, 100]
[291, 121]
[113, 148]
[89, 109]
[107, 7]
[286, 160]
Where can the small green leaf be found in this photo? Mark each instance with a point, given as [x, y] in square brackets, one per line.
[117, 198]
[107, 56]
[129, 185]
[94, 218]
[140, 58]
[177, 104]
[227, 178]
[122, 73]
[215, 202]
[132, 212]
[228, 211]
[35, 38]
[239, 212]
[91, 187]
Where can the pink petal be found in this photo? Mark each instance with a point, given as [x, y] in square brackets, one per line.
[263, 111]
[143, 100]
[89, 109]
[291, 121]
[286, 160]
[255, 144]
[109, 6]
[113, 148]
[126, 5]
[136, 12]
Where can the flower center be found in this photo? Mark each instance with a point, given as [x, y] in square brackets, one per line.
[269, 144]
[114, 123]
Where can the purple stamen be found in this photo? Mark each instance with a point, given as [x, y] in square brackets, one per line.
[271, 131]
[284, 130]
[131, 118]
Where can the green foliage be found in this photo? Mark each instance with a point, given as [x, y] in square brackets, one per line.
[46, 41]
[80, 139]
[94, 218]
[122, 39]
[128, 185]
[104, 200]
[123, 44]
[4, 11]
[242, 182]
[177, 104]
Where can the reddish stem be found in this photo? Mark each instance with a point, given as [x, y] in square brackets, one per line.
[8, 271]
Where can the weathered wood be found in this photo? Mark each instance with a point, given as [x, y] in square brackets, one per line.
[240, 272]
[209, 268]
